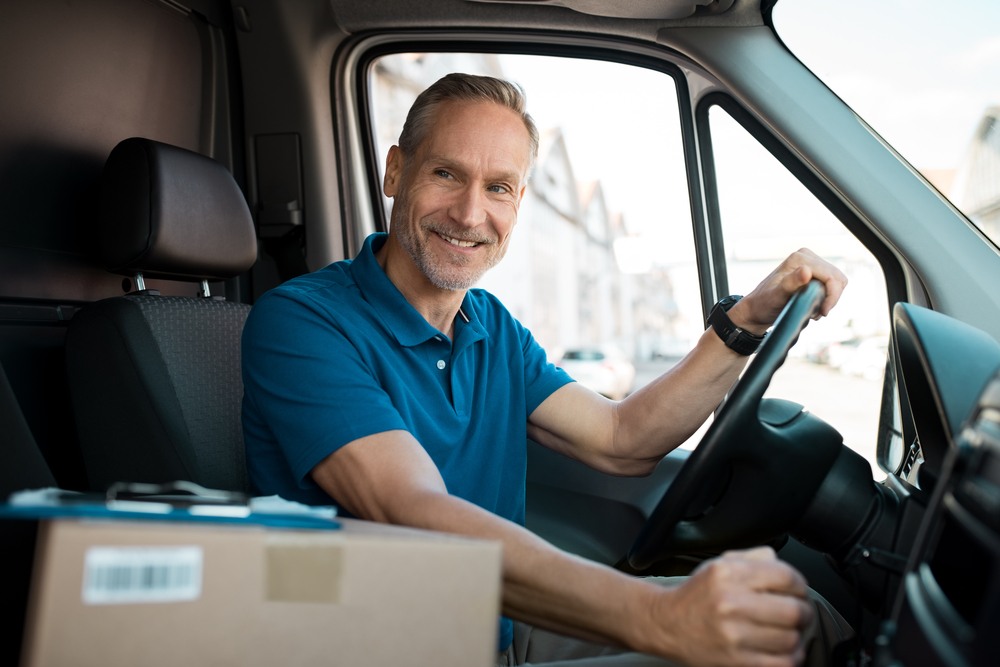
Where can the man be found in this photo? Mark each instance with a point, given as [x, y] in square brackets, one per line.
[390, 386]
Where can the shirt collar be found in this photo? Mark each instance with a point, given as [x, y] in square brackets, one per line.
[401, 319]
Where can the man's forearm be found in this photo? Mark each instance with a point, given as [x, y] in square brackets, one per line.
[542, 584]
[665, 413]
[630, 437]
[713, 618]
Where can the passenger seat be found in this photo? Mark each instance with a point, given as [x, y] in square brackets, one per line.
[155, 380]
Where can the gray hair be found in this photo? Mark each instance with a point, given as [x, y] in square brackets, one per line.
[469, 88]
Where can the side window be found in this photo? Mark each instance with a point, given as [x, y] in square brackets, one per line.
[836, 368]
[601, 265]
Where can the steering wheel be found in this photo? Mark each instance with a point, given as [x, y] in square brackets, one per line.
[757, 467]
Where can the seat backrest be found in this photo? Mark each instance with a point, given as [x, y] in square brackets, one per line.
[155, 380]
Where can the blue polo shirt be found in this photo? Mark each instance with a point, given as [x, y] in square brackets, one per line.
[339, 354]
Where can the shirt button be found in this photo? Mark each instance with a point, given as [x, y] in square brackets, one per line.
[441, 364]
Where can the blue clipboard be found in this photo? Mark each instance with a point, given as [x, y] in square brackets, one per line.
[176, 501]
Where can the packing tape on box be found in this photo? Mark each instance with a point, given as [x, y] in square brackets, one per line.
[303, 573]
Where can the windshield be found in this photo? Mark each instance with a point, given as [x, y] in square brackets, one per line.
[923, 74]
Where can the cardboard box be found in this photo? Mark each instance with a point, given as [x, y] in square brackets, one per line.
[112, 592]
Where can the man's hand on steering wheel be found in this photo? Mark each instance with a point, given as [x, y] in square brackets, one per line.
[757, 311]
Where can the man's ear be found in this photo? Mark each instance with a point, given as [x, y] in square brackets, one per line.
[393, 170]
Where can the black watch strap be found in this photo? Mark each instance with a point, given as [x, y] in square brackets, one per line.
[735, 338]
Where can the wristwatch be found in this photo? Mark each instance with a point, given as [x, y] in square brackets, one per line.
[735, 338]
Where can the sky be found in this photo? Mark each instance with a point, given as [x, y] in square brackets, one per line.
[921, 72]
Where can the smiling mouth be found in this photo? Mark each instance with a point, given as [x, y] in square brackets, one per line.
[458, 242]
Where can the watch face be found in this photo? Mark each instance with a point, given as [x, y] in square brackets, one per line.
[729, 301]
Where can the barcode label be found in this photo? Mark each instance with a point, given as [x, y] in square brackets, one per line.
[128, 575]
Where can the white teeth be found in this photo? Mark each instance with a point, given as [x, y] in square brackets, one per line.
[460, 244]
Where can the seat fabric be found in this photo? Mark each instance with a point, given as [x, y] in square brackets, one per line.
[157, 390]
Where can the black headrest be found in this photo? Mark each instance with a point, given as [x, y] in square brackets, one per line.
[171, 213]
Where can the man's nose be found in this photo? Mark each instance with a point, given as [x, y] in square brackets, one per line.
[469, 206]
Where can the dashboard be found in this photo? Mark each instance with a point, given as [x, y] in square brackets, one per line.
[947, 609]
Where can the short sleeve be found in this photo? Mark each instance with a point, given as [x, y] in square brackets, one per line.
[306, 382]
[541, 377]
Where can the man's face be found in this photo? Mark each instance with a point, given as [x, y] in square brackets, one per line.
[457, 196]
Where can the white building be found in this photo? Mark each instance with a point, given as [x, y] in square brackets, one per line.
[977, 185]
